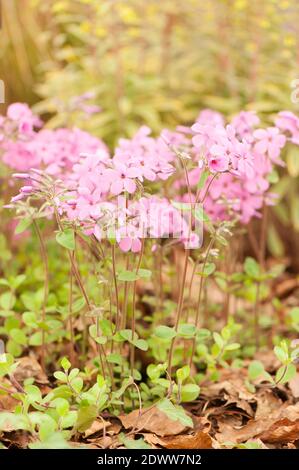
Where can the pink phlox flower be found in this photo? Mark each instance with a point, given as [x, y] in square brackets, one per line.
[289, 122]
[269, 141]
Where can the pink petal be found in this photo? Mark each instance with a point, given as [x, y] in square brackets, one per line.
[125, 244]
[117, 187]
[130, 185]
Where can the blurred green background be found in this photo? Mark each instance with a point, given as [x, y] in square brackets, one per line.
[157, 62]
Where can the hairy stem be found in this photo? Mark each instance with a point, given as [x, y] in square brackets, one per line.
[179, 311]
[46, 289]
[133, 324]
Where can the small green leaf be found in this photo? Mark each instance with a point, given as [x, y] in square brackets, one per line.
[33, 393]
[255, 370]
[175, 412]
[18, 336]
[232, 347]
[207, 270]
[189, 392]
[183, 373]
[281, 354]
[60, 376]
[65, 363]
[66, 238]
[134, 443]
[186, 329]
[62, 406]
[144, 273]
[128, 276]
[202, 180]
[294, 314]
[165, 332]
[141, 344]
[218, 340]
[86, 416]
[285, 373]
[115, 358]
[252, 268]
[23, 224]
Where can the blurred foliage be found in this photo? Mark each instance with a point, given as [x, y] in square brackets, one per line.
[151, 61]
[158, 63]
[23, 47]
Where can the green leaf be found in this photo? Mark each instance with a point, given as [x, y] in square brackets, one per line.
[189, 392]
[66, 238]
[144, 273]
[77, 384]
[218, 340]
[273, 177]
[33, 393]
[127, 335]
[62, 406]
[200, 214]
[29, 318]
[128, 276]
[36, 339]
[165, 332]
[294, 314]
[6, 364]
[186, 329]
[18, 336]
[7, 300]
[183, 373]
[141, 344]
[208, 269]
[73, 373]
[175, 412]
[252, 268]
[59, 375]
[65, 363]
[115, 358]
[106, 327]
[285, 373]
[134, 443]
[255, 370]
[232, 347]
[12, 422]
[292, 160]
[55, 440]
[202, 180]
[281, 354]
[203, 334]
[23, 224]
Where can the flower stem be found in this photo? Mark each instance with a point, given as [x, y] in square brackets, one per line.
[179, 310]
[46, 289]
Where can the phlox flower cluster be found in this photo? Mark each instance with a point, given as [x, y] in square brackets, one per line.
[130, 193]
[24, 145]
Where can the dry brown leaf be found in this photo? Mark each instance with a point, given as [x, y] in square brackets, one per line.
[286, 286]
[96, 426]
[230, 386]
[294, 385]
[102, 442]
[283, 431]
[281, 426]
[267, 404]
[7, 402]
[28, 367]
[200, 440]
[152, 420]
[115, 428]
[19, 439]
[152, 439]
